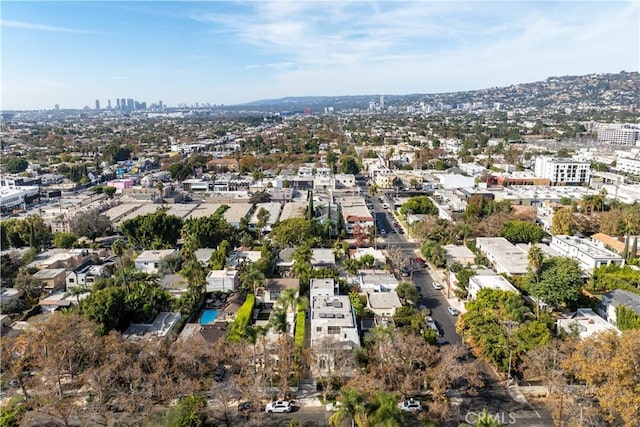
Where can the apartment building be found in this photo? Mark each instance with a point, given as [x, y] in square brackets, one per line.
[629, 162]
[588, 253]
[561, 171]
[624, 134]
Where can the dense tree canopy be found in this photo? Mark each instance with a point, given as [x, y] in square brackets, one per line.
[560, 281]
[517, 231]
[156, 230]
[419, 205]
[294, 231]
[30, 231]
[180, 171]
[349, 165]
[209, 231]
[15, 165]
[91, 224]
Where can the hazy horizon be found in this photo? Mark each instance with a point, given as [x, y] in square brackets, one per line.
[71, 53]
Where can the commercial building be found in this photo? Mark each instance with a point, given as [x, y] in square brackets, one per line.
[588, 253]
[561, 171]
[628, 162]
[623, 134]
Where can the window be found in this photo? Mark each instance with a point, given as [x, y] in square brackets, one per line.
[333, 330]
[71, 280]
[319, 329]
[274, 295]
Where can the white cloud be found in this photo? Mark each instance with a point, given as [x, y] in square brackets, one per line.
[43, 27]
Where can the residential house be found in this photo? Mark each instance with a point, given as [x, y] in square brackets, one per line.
[503, 255]
[355, 214]
[238, 258]
[52, 280]
[149, 261]
[60, 299]
[159, 329]
[333, 325]
[376, 281]
[459, 254]
[175, 284]
[379, 260]
[383, 304]
[618, 297]
[585, 322]
[223, 280]
[86, 275]
[10, 295]
[203, 255]
[479, 282]
[273, 288]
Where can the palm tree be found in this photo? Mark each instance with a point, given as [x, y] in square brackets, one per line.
[252, 334]
[535, 257]
[386, 412]
[77, 291]
[252, 279]
[289, 299]
[352, 407]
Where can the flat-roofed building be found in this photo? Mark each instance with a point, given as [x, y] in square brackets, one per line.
[379, 260]
[51, 280]
[149, 261]
[333, 325]
[159, 329]
[589, 254]
[479, 282]
[562, 171]
[273, 289]
[355, 214]
[585, 322]
[383, 304]
[377, 281]
[504, 256]
[459, 254]
[222, 280]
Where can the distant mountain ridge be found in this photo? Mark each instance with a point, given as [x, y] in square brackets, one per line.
[592, 90]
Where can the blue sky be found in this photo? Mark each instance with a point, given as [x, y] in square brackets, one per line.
[220, 52]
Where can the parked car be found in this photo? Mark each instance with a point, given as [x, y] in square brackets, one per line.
[420, 262]
[437, 286]
[245, 406]
[453, 311]
[219, 375]
[280, 406]
[431, 323]
[410, 405]
[333, 407]
[405, 272]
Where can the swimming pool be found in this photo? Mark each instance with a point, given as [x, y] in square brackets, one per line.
[208, 316]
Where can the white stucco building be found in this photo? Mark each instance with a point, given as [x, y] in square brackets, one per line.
[562, 171]
[588, 253]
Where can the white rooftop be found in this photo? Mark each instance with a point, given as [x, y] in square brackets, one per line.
[586, 321]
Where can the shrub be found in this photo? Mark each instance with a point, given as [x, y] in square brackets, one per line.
[300, 325]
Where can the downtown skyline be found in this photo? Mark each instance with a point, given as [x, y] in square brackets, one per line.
[235, 52]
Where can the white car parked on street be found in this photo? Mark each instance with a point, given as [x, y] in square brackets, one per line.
[278, 406]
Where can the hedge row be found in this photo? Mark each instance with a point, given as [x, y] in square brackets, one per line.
[300, 325]
[243, 317]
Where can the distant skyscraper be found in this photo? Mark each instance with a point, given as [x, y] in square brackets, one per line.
[381, 101]
[57, 106]
[109, 104]
[130, 104]
[117, 103]
[160, 104]
[97, 104]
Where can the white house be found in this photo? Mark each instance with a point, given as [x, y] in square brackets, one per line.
[585, 322]
[333, 324]
[273, 289]
[383, 304]
[504, 256]
[478, 282]
[376, 281]
[149, 261]
[85, 276]
[589, 254]
[379, 259]
[222, 280]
